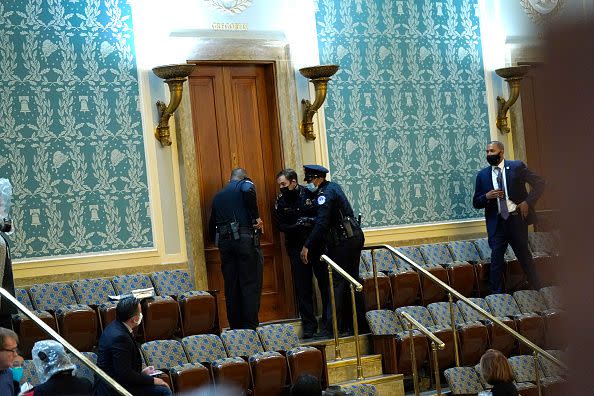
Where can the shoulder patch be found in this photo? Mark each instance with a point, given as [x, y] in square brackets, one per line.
[321, 200]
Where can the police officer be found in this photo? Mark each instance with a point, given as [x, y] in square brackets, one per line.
[295, 212]
[236, 226]
[336, 226]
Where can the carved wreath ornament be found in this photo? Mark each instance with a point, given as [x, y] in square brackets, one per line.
[542, 11]
[229, 6]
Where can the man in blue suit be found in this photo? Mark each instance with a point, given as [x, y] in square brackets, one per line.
[509, 208]
[119, 357]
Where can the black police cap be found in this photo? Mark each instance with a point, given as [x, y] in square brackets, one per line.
[314, 170]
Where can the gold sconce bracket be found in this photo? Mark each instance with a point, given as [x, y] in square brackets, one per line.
[513, 75]
[174, 76]
[319, 77]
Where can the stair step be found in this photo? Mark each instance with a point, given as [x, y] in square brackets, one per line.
[347, 346]
[386, 384]
[346, 369]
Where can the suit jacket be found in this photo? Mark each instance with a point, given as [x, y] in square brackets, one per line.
[517, 175]
[119, 357]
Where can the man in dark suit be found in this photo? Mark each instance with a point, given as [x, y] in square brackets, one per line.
[119, 357]
[509, 208]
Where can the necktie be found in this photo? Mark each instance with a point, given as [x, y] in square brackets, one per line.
[501, 201]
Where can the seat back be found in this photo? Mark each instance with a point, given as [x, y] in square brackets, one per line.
[542, 242]
[471, 315]
[502, 305]
[204, 348]
[278, 337]
[384, 260]
[359, 390]
[243, 342]
[23, 297]
[464, 251]
[436, 254]
[530, 301]
[93, 291]
[482, 246]
[420, 313]
[124, 284]
[365, 262]
[164, 353]
[172, 283]
[50, 296]
[523, 368]
[82, 370]
[413, 253]
[549, 368]
[463, 380]
[440, 312]
[551, 297]
[383, 322]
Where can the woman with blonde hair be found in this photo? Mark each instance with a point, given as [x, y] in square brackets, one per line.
[496, 371]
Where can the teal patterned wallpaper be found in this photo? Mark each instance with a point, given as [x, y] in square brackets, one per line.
[71, 138]
[406, 115]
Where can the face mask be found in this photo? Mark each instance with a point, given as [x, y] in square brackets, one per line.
[139, 319]
[311, 187]
[493, 159]
[17, 373]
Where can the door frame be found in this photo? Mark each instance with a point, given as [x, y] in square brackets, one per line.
[222, 50]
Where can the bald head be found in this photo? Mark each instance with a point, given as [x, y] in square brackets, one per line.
[238, 174]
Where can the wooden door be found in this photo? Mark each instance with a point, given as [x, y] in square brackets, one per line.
[234, 114]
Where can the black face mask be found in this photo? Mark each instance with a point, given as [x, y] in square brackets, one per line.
[288, 192]
[493, 159]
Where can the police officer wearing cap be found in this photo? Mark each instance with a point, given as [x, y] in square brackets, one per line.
[236, 226]
[295, 212]
[336, 226]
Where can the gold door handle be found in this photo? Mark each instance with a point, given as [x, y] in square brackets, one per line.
[234, 159]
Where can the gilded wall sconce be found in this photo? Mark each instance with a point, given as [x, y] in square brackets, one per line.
[174, 76]
[513, 75]
[319, 76]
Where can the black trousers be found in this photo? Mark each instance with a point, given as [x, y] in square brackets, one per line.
[347, 255]
[242, 264]
[302, 280]
[513, 231]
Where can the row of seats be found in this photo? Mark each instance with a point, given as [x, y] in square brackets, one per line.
[81, 309]
[535, 315]
[265, 361]
[468, 381]
[464, 265]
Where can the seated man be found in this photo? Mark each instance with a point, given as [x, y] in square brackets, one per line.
[54, 369]
[8, 354]
[119, 357]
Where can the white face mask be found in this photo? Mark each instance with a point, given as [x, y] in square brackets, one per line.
[139, 319]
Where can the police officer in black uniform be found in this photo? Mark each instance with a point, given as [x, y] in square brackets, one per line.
[295, 212]
[236, 227]
[336, 226]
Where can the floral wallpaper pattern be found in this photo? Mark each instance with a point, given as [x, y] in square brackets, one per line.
[71, 139]
[406, 114]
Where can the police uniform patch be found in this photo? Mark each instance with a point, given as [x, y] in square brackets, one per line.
[321, 200]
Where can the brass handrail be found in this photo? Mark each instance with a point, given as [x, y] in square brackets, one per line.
[119, 388]
[354, 285]
[436, 344]
[343, 273]
[486, 314]
[423, 329]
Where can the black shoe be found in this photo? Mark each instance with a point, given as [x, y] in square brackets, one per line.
[308, 334]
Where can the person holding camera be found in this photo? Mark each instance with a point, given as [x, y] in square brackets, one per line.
[336, 226]
[236, 226]
[295, 212]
